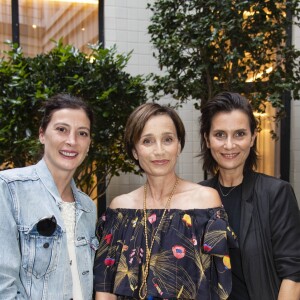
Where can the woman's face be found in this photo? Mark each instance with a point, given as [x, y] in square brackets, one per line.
[66, 140]
[230, 140]
[158, 147]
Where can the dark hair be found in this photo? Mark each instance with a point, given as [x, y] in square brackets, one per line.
[61, 101]
[225, 102]
[138, 119]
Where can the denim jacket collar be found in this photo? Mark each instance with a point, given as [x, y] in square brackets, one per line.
[47, 179]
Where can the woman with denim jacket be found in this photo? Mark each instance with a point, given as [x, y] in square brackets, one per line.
[262, 210]
[47, 226]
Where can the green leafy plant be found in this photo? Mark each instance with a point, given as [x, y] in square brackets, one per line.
[99, 77]
[208, 46]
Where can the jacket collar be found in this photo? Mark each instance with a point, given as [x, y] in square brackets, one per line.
[247, 204]
[48, 181]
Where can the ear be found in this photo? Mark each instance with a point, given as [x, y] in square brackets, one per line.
[41, 136]
[135, 155]
[207, 141]
[179, 149]
[253, 138]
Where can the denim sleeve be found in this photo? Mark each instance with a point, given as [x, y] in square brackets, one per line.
[10, 256]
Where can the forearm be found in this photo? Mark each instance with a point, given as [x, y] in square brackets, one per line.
[10, 256]
[289, 290]
[105, 296]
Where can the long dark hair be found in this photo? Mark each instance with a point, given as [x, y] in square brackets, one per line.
[225, 102]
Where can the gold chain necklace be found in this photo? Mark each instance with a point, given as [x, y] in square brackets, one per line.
[143, 289]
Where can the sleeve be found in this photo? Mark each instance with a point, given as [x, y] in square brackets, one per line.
[285, 231]
[10, 256]
[218, 238]
[105, 260]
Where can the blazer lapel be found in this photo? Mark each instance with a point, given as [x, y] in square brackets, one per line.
[247, 205]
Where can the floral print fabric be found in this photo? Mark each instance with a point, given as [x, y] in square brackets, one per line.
[189, 259]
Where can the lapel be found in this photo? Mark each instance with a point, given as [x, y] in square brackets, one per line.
[247, 204]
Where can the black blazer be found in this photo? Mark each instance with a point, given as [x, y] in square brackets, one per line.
[270, 234]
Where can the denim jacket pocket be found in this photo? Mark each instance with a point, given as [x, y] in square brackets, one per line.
[40, 253]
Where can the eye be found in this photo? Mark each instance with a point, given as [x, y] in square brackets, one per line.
[220, 134]
[240, 133]
[147, 141]
[61, 129]
[168, 140]
[84, 133]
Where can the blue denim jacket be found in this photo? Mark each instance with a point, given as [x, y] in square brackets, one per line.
[33, 266]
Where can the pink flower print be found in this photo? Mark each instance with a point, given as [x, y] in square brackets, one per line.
[194, 240]
[178, 251]
[132, 253]
[152, 218]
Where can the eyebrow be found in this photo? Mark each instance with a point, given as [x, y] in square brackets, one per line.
[67, 125]
[164, 133]
[244, 129]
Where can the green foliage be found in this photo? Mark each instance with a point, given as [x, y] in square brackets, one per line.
[208, 46]
[99, 78]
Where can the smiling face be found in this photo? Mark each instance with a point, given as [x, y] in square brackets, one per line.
[158, 147]
[230, 140]
[66, 140]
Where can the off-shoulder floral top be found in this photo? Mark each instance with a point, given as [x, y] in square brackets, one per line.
[189, 259]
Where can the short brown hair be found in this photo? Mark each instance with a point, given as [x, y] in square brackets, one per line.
[138, 119]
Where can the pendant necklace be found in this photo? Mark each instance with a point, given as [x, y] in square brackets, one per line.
[223, 194]
[143, 289]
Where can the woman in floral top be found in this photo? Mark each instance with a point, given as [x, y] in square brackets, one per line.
[168, 239]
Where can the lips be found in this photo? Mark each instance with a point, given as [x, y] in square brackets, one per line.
[68, 153]
[160, 162]
[230, 156]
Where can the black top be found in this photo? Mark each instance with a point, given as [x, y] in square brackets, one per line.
[232, 205]
[269, 233]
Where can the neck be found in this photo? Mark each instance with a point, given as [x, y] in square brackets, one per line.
[62, 181]
[159, 190]
[230, 179]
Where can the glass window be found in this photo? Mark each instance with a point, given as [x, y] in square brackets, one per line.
[5, 23]
[42, 22]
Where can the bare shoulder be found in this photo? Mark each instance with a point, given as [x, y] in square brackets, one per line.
[129, 201]
[199, 196]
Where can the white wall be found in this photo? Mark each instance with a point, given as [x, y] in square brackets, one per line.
[126, 24]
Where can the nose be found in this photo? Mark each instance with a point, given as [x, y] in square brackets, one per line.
[159, 148]
[71, 140]
[229, 143]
